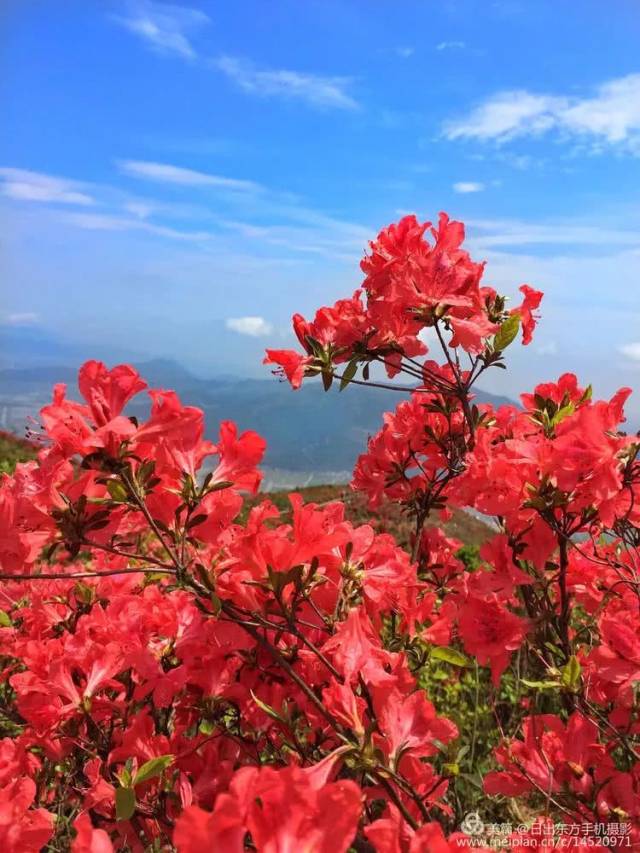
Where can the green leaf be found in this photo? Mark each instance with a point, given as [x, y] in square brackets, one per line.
[117, 491]
[348, 373]
[462, 752]
[125, 803]
[221, 484]
[507, 333]
[571, 674]
[203, 576]
[83, 591]
[541, 685]
[152, 577]
[316, 347]
[475, 779]
[5, 620]
[206, 727]
[197, 519]
[327, 379]
[269, 711]
[153, 767]
[124, 775]
[279, 580]
[588, 394]
[563, 413]
[452, 656]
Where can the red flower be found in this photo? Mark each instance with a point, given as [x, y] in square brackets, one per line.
[551, 756]
[239, 456]
[108, 391]
[284, 810]
[490, 632]
[471, 333]
[88, 839]
[23, 829]
[409, 723]
[528, 319]
[291, 364]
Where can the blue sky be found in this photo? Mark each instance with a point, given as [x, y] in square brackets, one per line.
[176, 180]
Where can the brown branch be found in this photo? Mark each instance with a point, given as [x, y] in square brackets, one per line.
[406, 814]
[59, 576]
[279, 658]
[145, 511]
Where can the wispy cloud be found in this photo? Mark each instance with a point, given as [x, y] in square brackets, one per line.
[506, 115]
[611, 116]
[109, 222]
[274, 219]
[489, 234]
[168, 174]
[631, 351]
[314, 89]
[307, 233]
[522, 162]
[451, 45]
[23, 185]
[404, 52]
[468, 187]
[24, 318]
[140, 209]
[254, 327]
[164, 27]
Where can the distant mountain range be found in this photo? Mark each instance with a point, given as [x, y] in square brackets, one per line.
[314, 435]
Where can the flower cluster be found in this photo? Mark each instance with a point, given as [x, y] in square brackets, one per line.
[185, 668]
[410, 285]
[166, 665]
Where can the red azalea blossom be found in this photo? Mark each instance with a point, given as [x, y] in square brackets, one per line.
[528, 319]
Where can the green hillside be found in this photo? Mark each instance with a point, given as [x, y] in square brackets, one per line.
[14, 450]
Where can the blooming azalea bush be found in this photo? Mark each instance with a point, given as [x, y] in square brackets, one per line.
[182, 673]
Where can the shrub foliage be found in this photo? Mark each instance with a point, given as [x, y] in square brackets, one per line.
[187, 667]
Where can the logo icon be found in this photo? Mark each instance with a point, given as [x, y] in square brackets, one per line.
[472, 824]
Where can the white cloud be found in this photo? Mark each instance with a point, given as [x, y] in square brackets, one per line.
[23, 185]
[254, 327]
[522, 162]
[108, 222]
[163, 26]
[168, 174]
[267, 219]
[405, 52]
[611, 116]
[506, 115]
[468, 187]
[140, 209]
[307, 232]
[25, 318]
[489, 234]
[314, 89]
[613, 113]
[631, 351]
[451, 45]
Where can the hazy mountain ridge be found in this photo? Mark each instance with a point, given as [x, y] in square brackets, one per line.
[307, 431]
